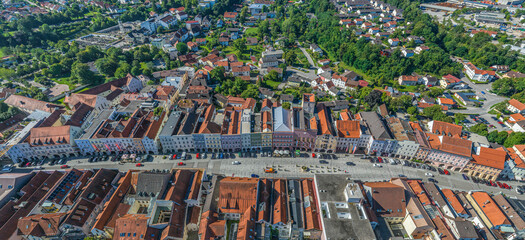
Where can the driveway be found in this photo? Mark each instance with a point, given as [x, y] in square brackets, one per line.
[310, 60]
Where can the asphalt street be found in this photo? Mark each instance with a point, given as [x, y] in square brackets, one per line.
[292, 167]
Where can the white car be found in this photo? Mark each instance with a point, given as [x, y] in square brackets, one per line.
[236, 163]
[428, 174]
[377, 165]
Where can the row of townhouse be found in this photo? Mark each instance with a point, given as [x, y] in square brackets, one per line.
[103, 203]
[145, 126]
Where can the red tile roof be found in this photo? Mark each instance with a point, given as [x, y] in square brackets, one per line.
[280, 210]
[494, 158]
[348, 128]
[442, 128]
[453, 201]
[311, 210]
[41, 225]
[30, 104]
[490, 209]
[236, 195]
[517, 104]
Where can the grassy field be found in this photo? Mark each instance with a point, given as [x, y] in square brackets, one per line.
[251, 31]
[272, 84]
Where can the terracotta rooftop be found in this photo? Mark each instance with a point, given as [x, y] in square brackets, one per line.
[30, 104]
[490, 209]
[452, 145]
[494, 158]
[348, 128]
[41, 225]
[311, 210]
[450, 196]
[280, 206]
[45, 136]
[444, 128]
[515, 103]
[236, 195]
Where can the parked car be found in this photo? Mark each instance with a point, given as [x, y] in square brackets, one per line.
[429, 174]
[254, 175]
[64, 166]
[7, 168]
[323, 161]
[198, 156]
[446, 172]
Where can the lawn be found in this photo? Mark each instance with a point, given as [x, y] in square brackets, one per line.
[408, 88]
[251, 31]
[65, 81]
[272, 84]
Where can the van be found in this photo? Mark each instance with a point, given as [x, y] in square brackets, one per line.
[183, 157]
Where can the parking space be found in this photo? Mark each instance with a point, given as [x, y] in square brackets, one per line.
[262, 165]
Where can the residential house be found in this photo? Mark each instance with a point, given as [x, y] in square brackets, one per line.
[516, 106]
[477, 74]
[408, 80]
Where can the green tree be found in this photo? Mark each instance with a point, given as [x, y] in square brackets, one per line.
[290, 57]
[239, 45]
[81, 72]
[480, 129]
[182, 48]
[286, 105]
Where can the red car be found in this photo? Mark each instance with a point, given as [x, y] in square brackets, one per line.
[139, 165]
[174, 156]
[446, 172]
[500, 185]
[380, 159]
[313, 155]
[181, 164]
[28, 164]
[198, 156]
[64, 166]
[505, 185]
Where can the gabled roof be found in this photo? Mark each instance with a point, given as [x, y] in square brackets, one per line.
[490, 208]
[348, 128]
[280, 209]
[444, 128]
[517, 104]
[41, 136]
[282, 120]
[452, 145]
[236, 194]
[494, 158]
[30, 104]
[40, 225]
[453, 201]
